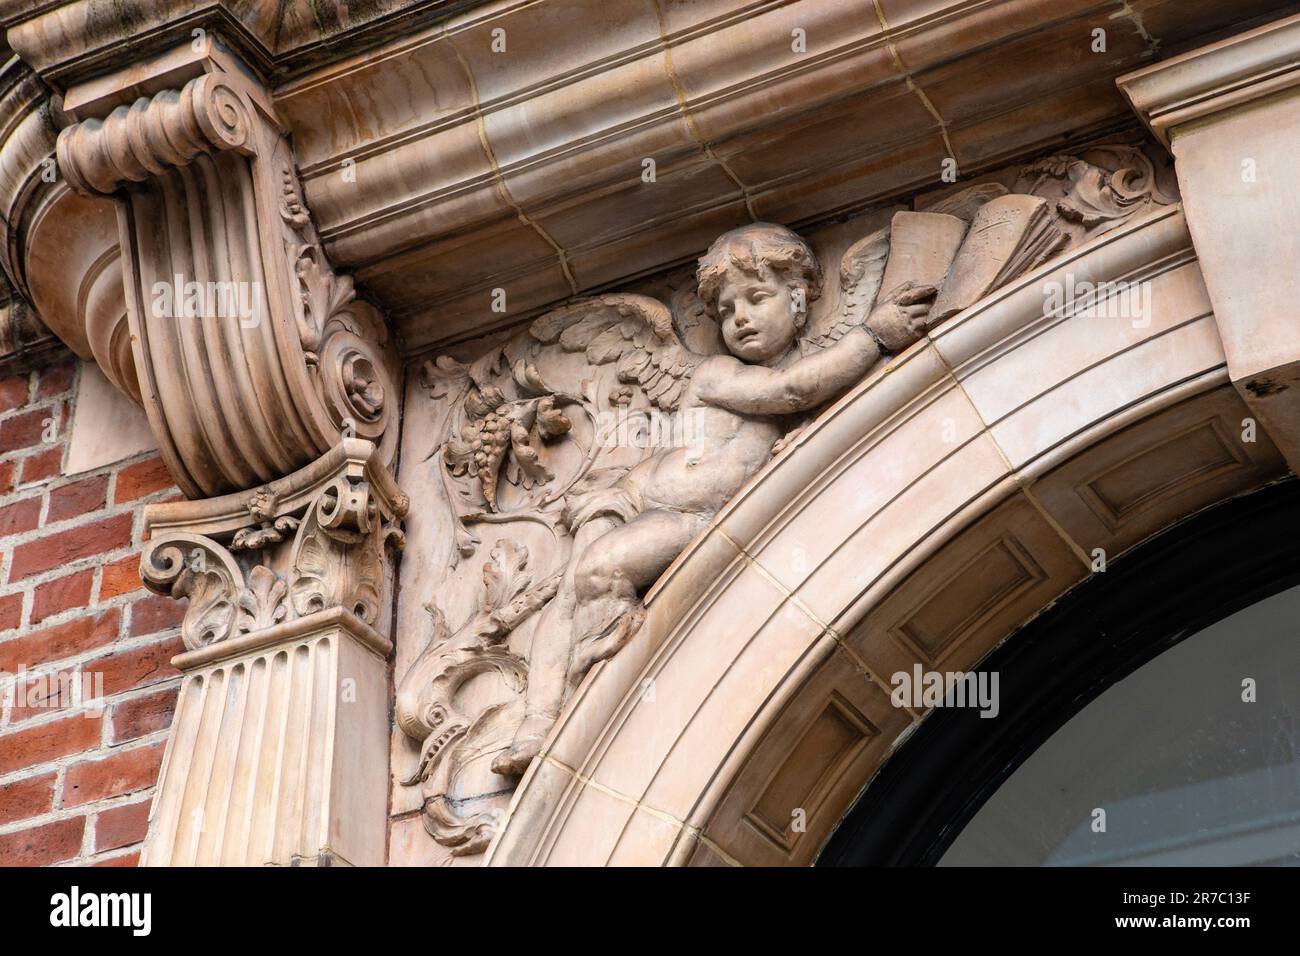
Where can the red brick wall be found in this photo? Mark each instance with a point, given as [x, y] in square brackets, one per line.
[76, 781]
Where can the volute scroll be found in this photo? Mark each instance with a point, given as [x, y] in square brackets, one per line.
[253, 356]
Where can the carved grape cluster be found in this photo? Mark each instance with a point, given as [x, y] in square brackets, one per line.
[490, 446]
[495, 428]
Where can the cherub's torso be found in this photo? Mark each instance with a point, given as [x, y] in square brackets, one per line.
[717, 452]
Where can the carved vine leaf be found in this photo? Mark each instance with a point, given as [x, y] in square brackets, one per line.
[551, 422]
[509, 596]
[505, 576]
[444, 376]
[500, 431]
[428, 705]
[529, 378]
[509, 412]
[526, 469]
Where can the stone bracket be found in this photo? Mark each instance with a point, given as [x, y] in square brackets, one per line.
[253, 356]
[1230, 114]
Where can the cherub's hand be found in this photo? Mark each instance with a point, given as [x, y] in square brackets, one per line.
[915, 302]
[902, 317]
[788, 439]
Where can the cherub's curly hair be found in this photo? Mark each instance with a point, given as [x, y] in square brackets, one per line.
[756, 250]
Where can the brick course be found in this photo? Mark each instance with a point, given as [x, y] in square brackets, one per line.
[76, 781]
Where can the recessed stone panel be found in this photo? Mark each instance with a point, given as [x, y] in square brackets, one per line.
[809, 771]
[1158, 469]
[985, 585]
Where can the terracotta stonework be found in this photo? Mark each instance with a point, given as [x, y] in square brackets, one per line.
[580, 410]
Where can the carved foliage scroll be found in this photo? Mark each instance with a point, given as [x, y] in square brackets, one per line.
[310, 546]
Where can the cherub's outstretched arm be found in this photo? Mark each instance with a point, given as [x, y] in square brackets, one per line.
[810, 382]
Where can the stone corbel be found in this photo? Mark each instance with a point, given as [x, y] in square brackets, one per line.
[253, 356]
[278, 752]
[1230, 114]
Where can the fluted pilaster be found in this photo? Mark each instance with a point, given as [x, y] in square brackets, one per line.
[278, 753]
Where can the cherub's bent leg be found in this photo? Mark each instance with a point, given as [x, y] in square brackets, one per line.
[608, 578]
[613, 573]
[548, 665]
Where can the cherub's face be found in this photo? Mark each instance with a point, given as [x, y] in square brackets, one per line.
[759, 318]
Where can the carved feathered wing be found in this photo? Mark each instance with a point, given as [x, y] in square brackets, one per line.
[634, 331]
[862, 270]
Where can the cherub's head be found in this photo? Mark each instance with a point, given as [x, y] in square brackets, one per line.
[758, 281]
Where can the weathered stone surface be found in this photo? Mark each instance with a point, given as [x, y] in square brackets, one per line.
[672, 526]
[620, 426]
[1230, 113]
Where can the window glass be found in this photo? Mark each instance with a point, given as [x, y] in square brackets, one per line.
[1192, 760]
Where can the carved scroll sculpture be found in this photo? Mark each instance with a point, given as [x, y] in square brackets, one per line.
[253, 357]
[306, 543]
[613, 429]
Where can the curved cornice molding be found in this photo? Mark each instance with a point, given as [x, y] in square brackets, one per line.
[27, 134]
[537, 189]
[1222, 76]
[67, 41]
[59, 249]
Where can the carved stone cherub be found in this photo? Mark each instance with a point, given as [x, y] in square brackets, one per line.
[757, 281]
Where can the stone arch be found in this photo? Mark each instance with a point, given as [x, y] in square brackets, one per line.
[993, 464]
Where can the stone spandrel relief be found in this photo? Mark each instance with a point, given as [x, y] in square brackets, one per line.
[579, 457]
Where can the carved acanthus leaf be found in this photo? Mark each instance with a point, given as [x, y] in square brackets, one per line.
[264, 577]
[1100, 195]
[337, 557]
[261, 603]
[429, 708]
